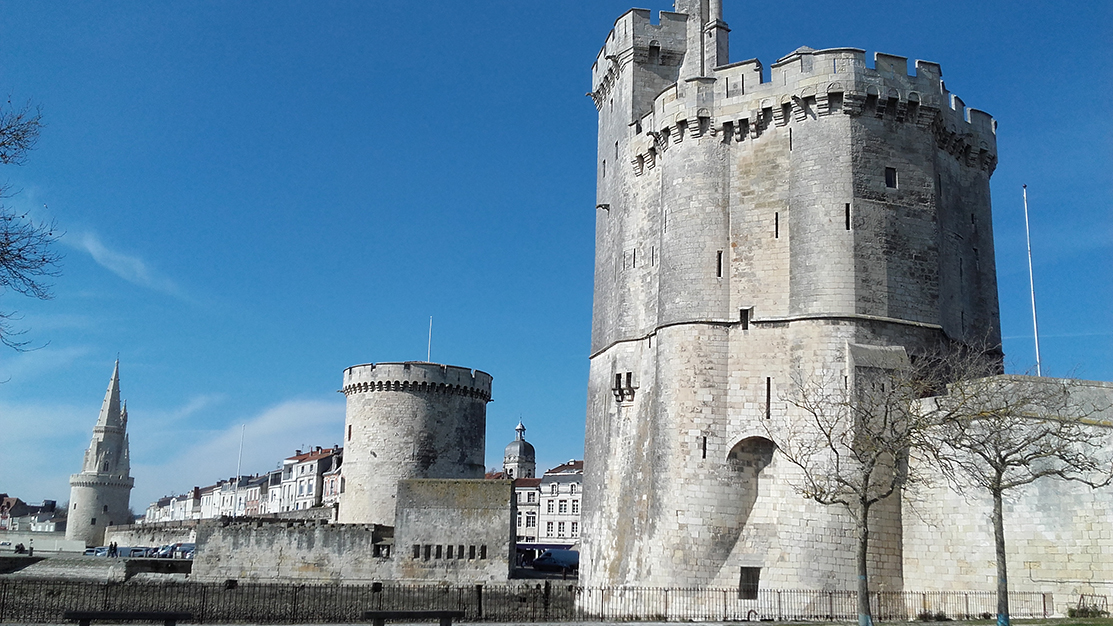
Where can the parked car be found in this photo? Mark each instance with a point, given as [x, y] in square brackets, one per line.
[184, 550]
[557, 561]
[101, 551]
[90, 551]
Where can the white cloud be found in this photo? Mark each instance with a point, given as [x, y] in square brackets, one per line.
[43, 444]
[131, 268]
[174, 460]
[24, 366]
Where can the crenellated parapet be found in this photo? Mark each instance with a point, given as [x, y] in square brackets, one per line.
[808, 85]
[635, 39]
[417, 377]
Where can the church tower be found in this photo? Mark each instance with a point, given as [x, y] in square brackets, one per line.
[100, 493]
[519, 459]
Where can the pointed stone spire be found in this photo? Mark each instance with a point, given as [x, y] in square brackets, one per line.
[110, 414]
[100, 492]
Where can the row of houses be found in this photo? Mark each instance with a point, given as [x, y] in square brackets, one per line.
[547, 511]
[17, 515]
[305, 480]
[548, 507]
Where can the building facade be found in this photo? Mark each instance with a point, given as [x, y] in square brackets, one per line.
[100, 493]
[560, 494]
[754, 228]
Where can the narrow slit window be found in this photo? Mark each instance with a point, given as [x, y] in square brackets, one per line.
[776, 225]
[703, 446]
[744, 318]
[616, 152]
[890, 177]
[439, 553]
[471, 552]
[428, 552]
[605, 168]
[768, 397]
[349, 432]
[719, 264]
[417, 551]
[634, 257]
[848, 216]
[790, 140]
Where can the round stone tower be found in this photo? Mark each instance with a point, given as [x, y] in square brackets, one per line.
[408, 420]
[101, 492]
[755, 227]
[519, 459]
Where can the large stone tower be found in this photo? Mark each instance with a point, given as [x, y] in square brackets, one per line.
[408, 420]
[755, 227]
[100, 493]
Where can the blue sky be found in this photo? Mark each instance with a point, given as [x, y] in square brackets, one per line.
[257, 195]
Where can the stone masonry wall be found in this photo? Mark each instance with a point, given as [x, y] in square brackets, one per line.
[455, 531]
[748, 232]
[307, 551]
[408, 420]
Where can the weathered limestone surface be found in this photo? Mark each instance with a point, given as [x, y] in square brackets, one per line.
[309, 551]
[455, 530]
[751, 225]
[100, 493]
[408, 420]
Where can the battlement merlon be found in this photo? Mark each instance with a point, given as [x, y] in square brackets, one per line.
[420, 374]
[816, 76]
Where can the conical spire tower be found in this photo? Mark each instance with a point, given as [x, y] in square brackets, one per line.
[101, 492]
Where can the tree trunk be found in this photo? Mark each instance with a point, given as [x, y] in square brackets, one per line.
[1002, 568]
[865, 617]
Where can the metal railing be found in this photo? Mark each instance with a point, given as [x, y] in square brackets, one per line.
[44, 601]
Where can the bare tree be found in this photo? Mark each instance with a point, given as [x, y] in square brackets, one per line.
[27, 257]
[999, 433]
[853, 439]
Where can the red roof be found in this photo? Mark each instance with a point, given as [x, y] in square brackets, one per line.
[570, 467]
[313, 455]
[527, 482]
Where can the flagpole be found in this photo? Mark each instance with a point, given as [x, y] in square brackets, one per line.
[429, 349]
[1032, 282]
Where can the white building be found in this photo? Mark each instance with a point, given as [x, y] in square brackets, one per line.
[561, 490]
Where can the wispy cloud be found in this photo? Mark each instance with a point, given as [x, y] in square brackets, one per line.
[21, 367]
[129, 267]
[43, 444]
[170, 453]
[175, 460]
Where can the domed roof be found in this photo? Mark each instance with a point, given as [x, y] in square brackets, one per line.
[520, 447]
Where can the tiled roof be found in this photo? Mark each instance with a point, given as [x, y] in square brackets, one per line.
[571, 467]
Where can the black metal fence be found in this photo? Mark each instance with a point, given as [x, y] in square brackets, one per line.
[44, 601]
